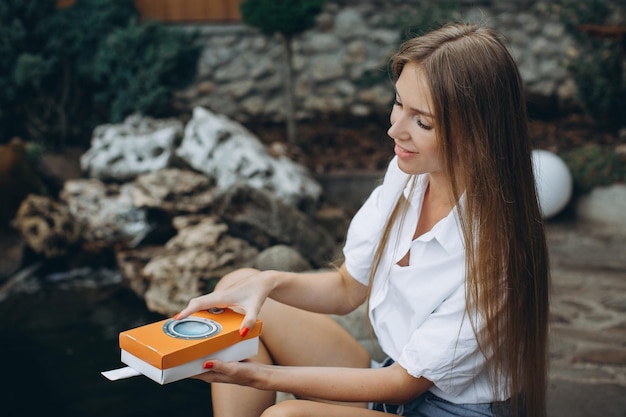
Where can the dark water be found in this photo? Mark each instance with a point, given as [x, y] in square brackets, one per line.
[57, 335]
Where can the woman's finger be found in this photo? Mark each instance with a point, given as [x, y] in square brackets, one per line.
[203, 302]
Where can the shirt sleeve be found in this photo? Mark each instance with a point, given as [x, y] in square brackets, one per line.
[444, 348]
[367, 224]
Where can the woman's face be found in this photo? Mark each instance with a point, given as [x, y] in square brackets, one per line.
[412, 124]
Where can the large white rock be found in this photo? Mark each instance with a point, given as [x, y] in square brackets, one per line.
[137, 146]
[105, 212]
[224, 149]
[211, 144]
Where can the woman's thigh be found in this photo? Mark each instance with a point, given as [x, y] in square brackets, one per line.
[295, 337]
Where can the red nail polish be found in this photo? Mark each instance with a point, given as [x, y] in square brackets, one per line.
[243, 332]
[208, 365]
[176, 316]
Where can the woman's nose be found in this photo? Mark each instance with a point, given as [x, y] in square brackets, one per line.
[397, 130]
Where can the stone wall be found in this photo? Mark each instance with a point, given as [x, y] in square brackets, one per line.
[340, 64]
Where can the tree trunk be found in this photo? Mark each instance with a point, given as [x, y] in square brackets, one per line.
[290, 110]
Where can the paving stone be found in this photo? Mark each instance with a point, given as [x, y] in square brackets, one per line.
[608, 356]
[568, 399]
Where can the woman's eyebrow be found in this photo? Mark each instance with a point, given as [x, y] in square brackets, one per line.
[416, 110]
[422, 112]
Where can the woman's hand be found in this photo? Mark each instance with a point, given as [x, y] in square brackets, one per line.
[240, 373]
[390, 384]
[244, 291]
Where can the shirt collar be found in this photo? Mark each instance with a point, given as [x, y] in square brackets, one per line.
[448, 230]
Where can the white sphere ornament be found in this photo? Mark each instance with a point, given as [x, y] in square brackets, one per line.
[553, 181]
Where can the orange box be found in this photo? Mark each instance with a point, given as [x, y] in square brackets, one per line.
[171, 350]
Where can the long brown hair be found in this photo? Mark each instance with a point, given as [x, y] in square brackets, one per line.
[485, 150]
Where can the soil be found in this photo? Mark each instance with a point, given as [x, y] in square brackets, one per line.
[336, 145]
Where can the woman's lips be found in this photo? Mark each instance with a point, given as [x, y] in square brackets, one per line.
[403, 153]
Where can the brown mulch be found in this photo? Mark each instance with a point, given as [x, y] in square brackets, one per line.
[336, 145]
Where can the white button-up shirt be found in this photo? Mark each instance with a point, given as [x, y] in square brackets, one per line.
[418, 311]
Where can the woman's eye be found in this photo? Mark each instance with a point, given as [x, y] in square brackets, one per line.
[419, 122]
[422, 125]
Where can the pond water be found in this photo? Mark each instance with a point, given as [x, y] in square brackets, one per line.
[58, 332]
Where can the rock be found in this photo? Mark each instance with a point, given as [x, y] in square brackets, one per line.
[106, 213]
[281, 258]
[220, 148]
[605, 207]
[137, 146]
[349, 24]
[18, 178]
[207, 247]
[334, 219]
[196, 231]
[174, 191]
[131, 263]
[327, 67]
[261, 218]
[223, 149]
[59, 166]
[12, 249]
[192, 262]
[47, 226]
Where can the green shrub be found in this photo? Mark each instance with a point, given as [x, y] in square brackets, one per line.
[65, 71]
[596, 67]
[287, 17]
[594, 165]
[22, 33]
[138, 66]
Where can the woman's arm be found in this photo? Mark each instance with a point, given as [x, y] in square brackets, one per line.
[390, 384]
[330, 292]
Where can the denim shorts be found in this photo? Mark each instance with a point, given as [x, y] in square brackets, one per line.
[430, 405]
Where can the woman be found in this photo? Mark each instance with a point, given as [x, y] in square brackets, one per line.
[448, 252]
